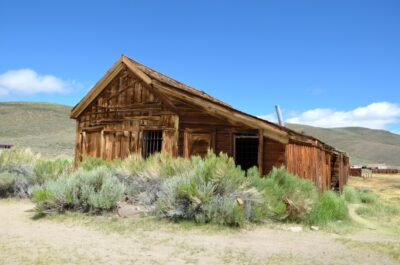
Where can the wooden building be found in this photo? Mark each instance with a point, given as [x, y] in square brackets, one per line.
[136, 109]
[5, 146]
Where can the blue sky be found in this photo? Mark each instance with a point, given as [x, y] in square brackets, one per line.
[327, 63]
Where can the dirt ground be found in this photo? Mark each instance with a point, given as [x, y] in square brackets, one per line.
[24, 240]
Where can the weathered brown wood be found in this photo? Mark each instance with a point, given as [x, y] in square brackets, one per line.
[310, 163]
[145, 78]
[260, 151]
[97, 89]
[131, 99]
[230, 114]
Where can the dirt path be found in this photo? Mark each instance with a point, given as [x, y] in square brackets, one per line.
[26, 241]
[352, 212]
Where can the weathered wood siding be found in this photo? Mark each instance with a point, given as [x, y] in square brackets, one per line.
[112, 126]
[310, 163]
[273, 156]
[112, 123]
[199, 131]
[344, 170]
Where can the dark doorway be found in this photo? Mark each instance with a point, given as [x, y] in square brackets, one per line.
[246, 151]
[152, 143]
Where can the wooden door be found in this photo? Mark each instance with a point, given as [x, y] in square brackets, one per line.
[117, 145]
[198, 142]
[91, 142]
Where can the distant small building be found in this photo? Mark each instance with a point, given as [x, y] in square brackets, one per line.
[5, 146]
[377, 166]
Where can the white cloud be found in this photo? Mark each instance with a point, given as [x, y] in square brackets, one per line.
[376, 116]
[29, 82]
[269, 117]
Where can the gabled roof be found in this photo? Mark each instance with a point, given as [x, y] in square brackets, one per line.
[143, 72]
[162, 84]
[153, 74]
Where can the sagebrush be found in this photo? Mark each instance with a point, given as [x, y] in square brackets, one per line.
[205, 190]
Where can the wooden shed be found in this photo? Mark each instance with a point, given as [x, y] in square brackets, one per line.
[136, 109]
[5, 146]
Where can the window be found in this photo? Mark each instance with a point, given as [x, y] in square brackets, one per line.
[246, 150]
[152, 143]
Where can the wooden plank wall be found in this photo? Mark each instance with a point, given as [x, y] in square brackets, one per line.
[112, 127]
[356, 172]
[196, 125]
[113, 124]
[274, 155]
[344, 171]
[310, 163]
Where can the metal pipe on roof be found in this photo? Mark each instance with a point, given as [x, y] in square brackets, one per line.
[279, 114]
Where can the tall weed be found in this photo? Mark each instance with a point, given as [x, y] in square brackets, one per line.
[330, 207]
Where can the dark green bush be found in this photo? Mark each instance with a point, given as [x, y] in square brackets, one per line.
[287, 197]
[46, 170]
[330, 207]
[350, 194]
[367, 197]
[90, 163]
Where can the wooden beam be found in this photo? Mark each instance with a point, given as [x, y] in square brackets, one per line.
[261, 152]
[146, 79]
[148, 84]
[97, 89]
[164, 99]
[229, 114]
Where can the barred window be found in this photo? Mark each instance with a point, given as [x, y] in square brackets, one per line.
[152, 142]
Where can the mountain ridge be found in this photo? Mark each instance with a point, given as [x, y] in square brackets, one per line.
[47, 128]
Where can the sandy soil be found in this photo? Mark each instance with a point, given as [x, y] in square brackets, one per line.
[27, 241]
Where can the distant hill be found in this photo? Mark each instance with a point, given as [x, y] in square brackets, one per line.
[47, 128]
[44, 127]
[362, 144]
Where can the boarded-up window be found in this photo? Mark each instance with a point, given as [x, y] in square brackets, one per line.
[152, 143]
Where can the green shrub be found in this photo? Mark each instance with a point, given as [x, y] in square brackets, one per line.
[220, 170]
[396, 185]
[133, 164]
[158, 164]
[253, 172]
[367, 197]
[224, 211]
[163, 165]
[20, 164]
[287, 197]
[51, 169]
[17, 160]
[7, 181]
[96, 190]
[90, 163]
[379, 210]
[329, 208]
[215, 190]
[350, 194]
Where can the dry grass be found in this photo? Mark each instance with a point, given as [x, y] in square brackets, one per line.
[391, 249]
[383, 212]
[44, 127]
[385, 186]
